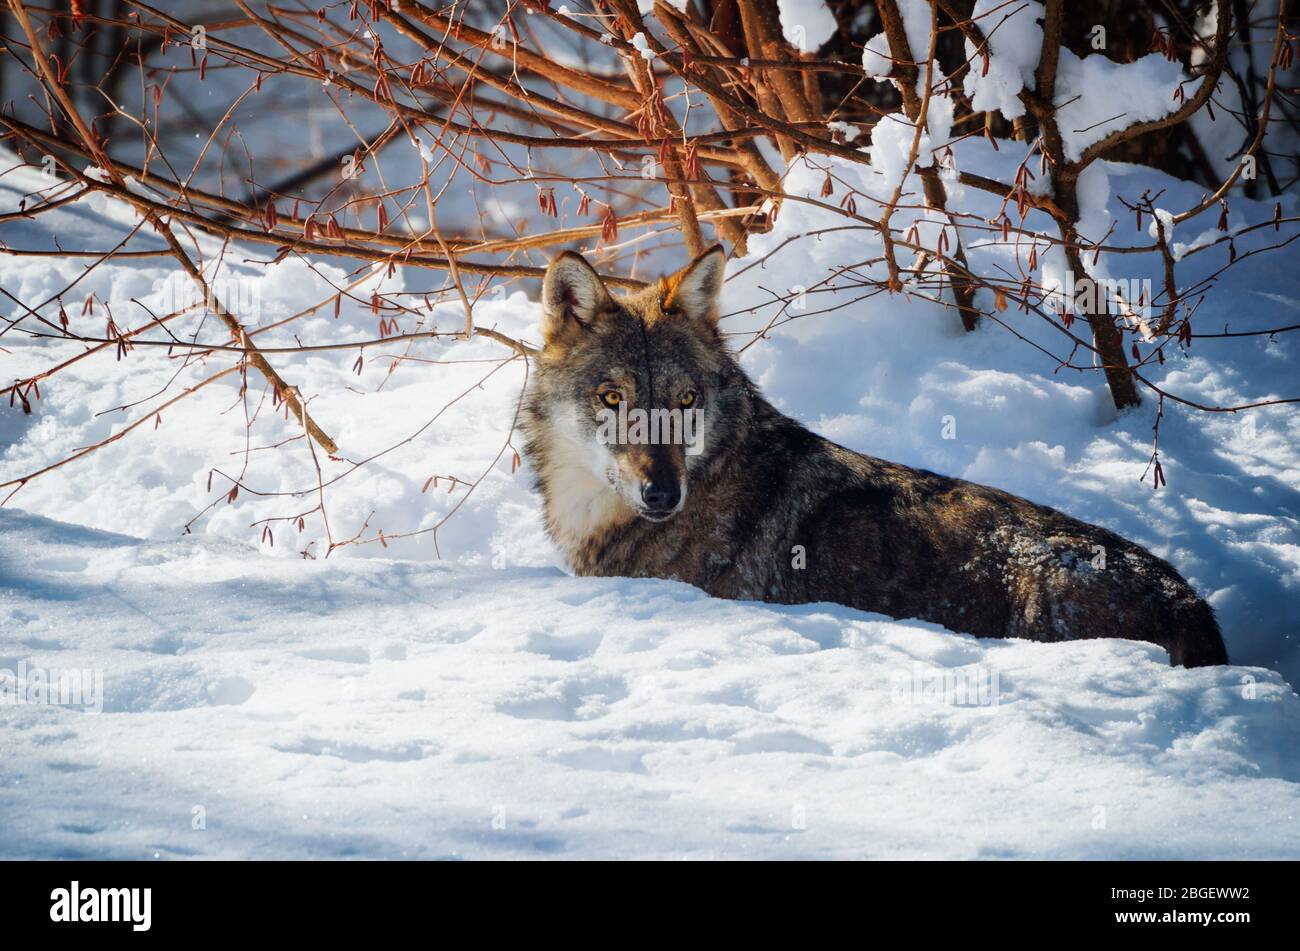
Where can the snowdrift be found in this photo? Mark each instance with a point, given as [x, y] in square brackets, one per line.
[269, 708]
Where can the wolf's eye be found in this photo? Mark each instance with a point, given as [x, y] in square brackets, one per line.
[611, 398]
[688, 399]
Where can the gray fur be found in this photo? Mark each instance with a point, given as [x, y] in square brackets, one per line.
[876, 535]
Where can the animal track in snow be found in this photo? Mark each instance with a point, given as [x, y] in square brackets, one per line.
[358, 752]
[350, 654]
[570, 646]
[577, 698]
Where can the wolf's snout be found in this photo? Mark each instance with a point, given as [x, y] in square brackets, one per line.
[661, 497]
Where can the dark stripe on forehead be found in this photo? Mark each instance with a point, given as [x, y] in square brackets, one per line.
[645, 356]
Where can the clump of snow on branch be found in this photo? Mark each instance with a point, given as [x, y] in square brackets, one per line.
[1014, 39]
[876, 59]
[647, 7]
[642, 47]
[1096, 96]
[807, 24]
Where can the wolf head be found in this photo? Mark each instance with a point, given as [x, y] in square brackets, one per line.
[631, 394]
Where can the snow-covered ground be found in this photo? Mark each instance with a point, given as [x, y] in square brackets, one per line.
[472, 699]
[366, 707]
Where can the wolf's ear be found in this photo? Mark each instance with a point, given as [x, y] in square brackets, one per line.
[695, 288]
[573, 295]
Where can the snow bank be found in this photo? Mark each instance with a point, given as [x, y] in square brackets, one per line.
[270, 708]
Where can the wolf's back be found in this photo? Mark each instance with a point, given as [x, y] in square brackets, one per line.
[904, 542]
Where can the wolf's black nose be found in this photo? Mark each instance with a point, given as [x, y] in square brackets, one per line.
[661, 496]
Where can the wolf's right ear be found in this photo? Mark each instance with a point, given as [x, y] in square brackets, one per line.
[695, 288]
[573, 295]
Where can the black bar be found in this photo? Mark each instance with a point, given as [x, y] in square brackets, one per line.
[330, 900]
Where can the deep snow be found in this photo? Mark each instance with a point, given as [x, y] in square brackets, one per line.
[366, 707]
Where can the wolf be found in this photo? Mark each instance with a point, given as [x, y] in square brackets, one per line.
[764, 509]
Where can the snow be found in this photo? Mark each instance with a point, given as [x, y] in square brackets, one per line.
[807, 24]
[1162, 225]
[892, 139]
[270, 708]
[647, 6]
[892, 135]
[469, 698]
[1094, 193]
[876, 59]
[1014, 42]
[642, 46]
[1096, 96]
[849, 131]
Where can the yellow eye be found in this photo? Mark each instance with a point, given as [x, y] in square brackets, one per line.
[611, 398]
[688, 400]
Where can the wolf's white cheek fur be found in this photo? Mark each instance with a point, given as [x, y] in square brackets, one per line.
[599, 461]
[581, 476]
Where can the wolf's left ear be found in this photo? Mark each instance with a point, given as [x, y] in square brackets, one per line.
[573, 295]
[695, 288]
